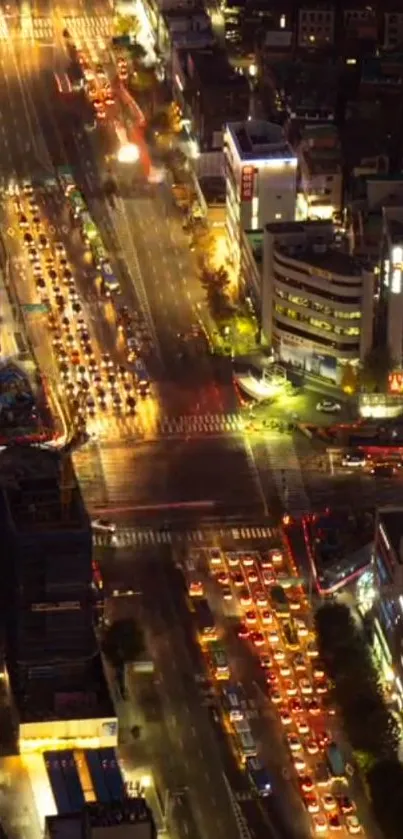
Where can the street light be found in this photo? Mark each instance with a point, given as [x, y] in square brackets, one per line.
[128, 153]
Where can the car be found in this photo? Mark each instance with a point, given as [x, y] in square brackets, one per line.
[276, 557]
[117, 400]
[232, 559]
[321, 687]
[296, 706]
[265, 661]
[345, 804]
[23, 222]
[299, 663]
[267, 617]
[329, 802]
[271, 679]
[252, 576]
[311, 802]
[334, 822]
[324, 738]
[268, 577]
[312, 650]
[353, 825]
[238, 580]
[320, 823]
[328, 406]
[257, 638]
[306, 783]
[305, 687]
[28, 240]
[290, 687]
[285, 716]
[223, 578]
[40, 283]
[243, 631]
[226, 592]
[312, 746]
[299, 763]
[302, 726]
[318, 672]
[276, 697]
[279, 654]
[43, 242]
[273, 637]
[245, 598]
[383, 470]
[313, 707]
[301, 627]
[294, 743]
[261, 599]
[251, 618]
[353, 460]
[285, 670]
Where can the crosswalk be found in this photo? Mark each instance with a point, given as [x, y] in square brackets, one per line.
[287, 474]
[143, 537]
[89, 27]
[200, 424]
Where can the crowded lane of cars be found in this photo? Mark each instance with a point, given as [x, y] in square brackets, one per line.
[275, 623]
[96, 386]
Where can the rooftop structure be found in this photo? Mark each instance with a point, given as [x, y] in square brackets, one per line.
[128, 819]
[259, 140]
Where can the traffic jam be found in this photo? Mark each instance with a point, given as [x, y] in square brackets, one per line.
[93, 383]
[275, 624]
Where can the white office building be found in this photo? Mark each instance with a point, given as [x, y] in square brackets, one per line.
[261, 179]
[317, 301]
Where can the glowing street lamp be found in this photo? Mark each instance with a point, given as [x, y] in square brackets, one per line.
[128, 153]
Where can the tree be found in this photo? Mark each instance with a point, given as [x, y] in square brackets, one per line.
[216, 285]
[127, 25]
[378, 363]
[123, 641]
[368, 723]
[385, 784]
[348, 382]
[137, 54]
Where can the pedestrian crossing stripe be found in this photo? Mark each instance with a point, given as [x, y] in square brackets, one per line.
[200, 423]
[130, 537]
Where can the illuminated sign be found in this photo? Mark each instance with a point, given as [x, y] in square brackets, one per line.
[247, 183]
[395, 383]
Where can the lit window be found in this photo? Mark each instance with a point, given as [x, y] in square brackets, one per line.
[278, 216]
[282, 22]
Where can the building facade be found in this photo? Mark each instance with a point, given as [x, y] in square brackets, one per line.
[261, 179]
[320, 170]
[391, 280]
[52, 599]
[317, 303]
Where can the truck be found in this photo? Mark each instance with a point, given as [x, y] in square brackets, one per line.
[204, 619]
[279, 601]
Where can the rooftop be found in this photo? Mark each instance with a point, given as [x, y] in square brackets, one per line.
[82, 693]
[132, 813]
[323, 160]
[330, 259]
[259, 139]
[391, 520]
[39, 491]
[212, 67]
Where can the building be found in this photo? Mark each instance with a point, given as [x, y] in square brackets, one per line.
[391, 279]
[386, 595]
[320, 170]
[209, 91]
[128, 819]
[315, 301]
[261, 176]
[393, 27]
[316, 26]
[52, 598]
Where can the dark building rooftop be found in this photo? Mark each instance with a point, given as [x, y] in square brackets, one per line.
[39, 491]
[131, 817]
[81, 694]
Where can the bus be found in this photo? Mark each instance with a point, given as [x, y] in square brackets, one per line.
[108, 277]
[241, 726]
[258, 776]
[89, 229]
[291, 637]
[336, 762]
[246, 745]
[279, 601]
[219, 661]
[205, 622]
[234, 701]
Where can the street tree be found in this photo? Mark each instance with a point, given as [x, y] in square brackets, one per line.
[385, 784]
[216, 285]
[127, 25]
[123, 641]
[370, 727]
[378, 364]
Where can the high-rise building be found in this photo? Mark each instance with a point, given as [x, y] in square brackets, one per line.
[261, 179]
[391, 281]
[51, 602]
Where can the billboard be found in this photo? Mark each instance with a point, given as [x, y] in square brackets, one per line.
[247, 183]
